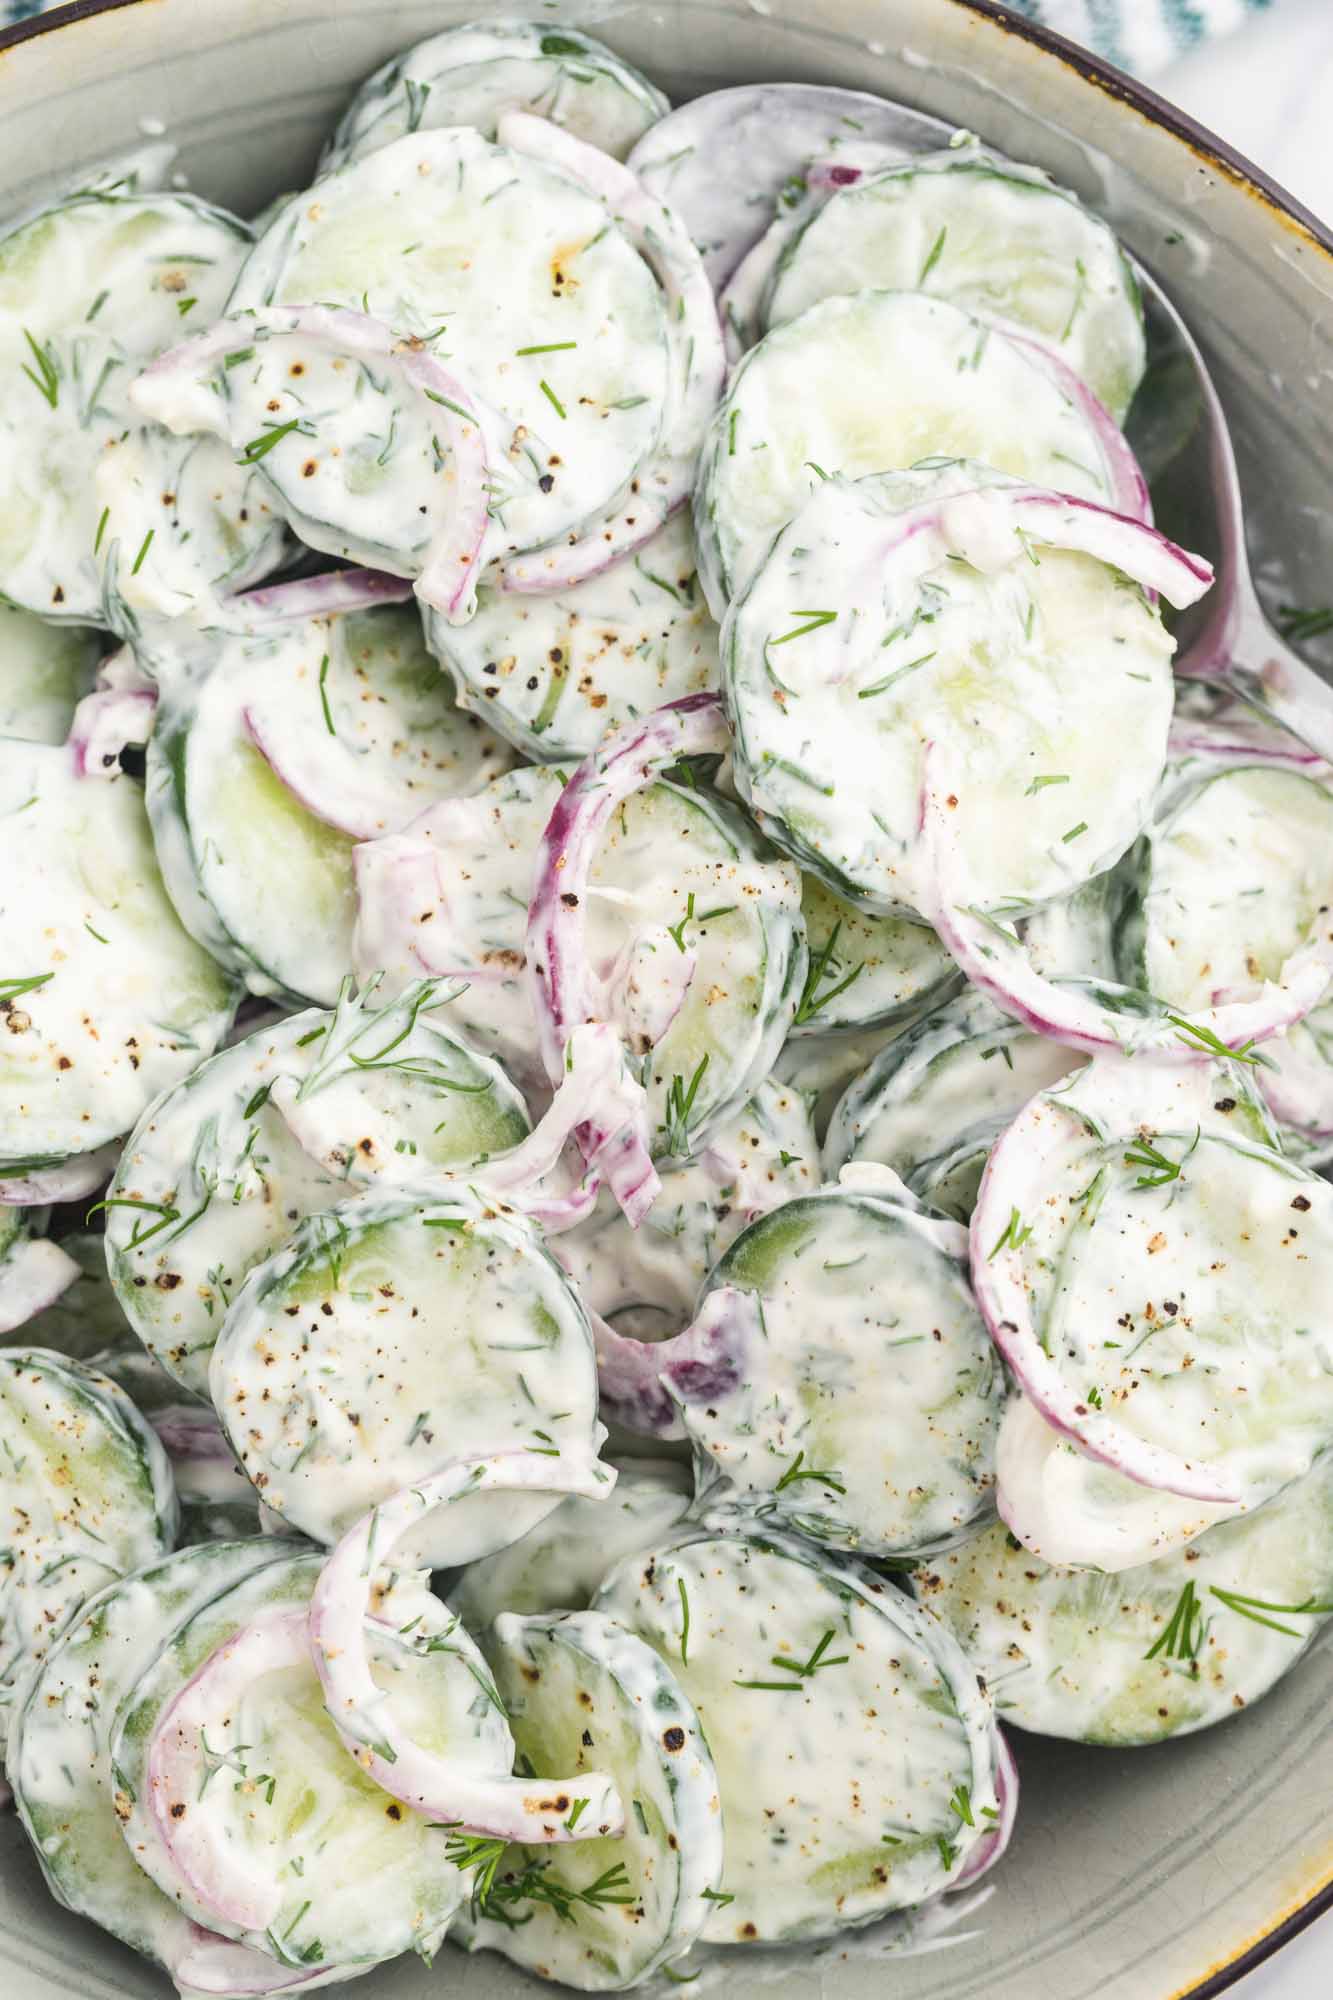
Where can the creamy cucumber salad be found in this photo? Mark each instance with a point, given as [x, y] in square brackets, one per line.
[663, 1092]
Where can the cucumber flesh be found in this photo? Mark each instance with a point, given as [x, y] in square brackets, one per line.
[553, 673]
[1001, 241]
[583, 1693]
[59, 1759]
[214, 1179]
[346, 1305]
[470, 75]
[353, 1878]
[558, 1565]
[854, 1288]
[837, 1786]
[866, 970]
[84, 911]
[45, 671]
[864, 383]
[88, 1497]
[1159, 1650]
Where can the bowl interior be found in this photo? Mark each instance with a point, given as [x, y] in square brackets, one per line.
[1133, 1876]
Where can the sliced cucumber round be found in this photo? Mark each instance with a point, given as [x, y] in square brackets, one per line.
[865, 383]
[87, 1497]
[340, 1872]
[84, 913]
[215, 1178]
[1169, 1647]
[558, 1565]
[1226, 884]
[681, 883]
[45, 671]
[395, 1333]
[727, 159]
[552, 318]
[583, 1693]
[554, 672]
[645, 1281]
[1002, 241]
[866, 970]
[348, 706]
[966, 632]
[91, 289]
[59, 1755]
[854, 1744]
[470, 75]
[862, 1407]
[935, 1099]
[821, 1066]
[1152, 1270]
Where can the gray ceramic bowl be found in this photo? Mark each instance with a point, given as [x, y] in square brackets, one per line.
[1148, 1875]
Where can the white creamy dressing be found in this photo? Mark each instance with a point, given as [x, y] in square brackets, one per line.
[874, 1365]
[687, 907]
[948, 627]
[548, 313]
[395, 1333]
[83, 912]
[45, 671]
[836, 1787]
[866, 382]
[584, 1694]
[99, 284]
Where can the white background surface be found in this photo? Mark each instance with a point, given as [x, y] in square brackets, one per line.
[1268, 90]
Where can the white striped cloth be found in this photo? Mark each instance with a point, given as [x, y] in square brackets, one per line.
[1137, 35]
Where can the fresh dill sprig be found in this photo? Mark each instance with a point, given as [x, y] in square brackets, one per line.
[45, 378]
[800, 1670]
[1204, 1038]
[1184, 1631]
[823, 963]
[679, 1107]
[799, 1470]
[1013, 1236]
[1161, 1167]
[1254, 1608]
[677, 931]
[814, 620]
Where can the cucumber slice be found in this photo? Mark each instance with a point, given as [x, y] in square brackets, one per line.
[45, 671]
[84, 913]
[92, 288]
[59, 1759]
[645, 1281]
[934, 1101]
[1001, 241]
[865, 1413]
[1152, 1271]
[88, 1497]
[680, 873]
[554, 673]
[87, 1319]
[525, 264]
[217, 1501]
[349, 1876]
[1226, 885]
[469, 76]
[864, 383]
[840, 1784]
[214, 1179]
[821, 1066]
[333, 1399]
[339, 701]
[725, 160]
[583, 1693]
[1160, 1650]
[1017, 665]
[34, 1272]
[558, 1565]
[866, 970]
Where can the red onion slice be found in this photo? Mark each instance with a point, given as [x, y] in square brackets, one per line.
[104, 723]
[171, 390]
[326, 596]
[531, 1810]
[1126, 486]
[566, 993]
[212, 1868]
[642, 1383]
[698, 361]
[1017, 1180]
[997, 964]
[993, 1843]
[229, 1971]
[32, 1277]
[327, 777]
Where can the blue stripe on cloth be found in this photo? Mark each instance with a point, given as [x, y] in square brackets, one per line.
[1139, 34]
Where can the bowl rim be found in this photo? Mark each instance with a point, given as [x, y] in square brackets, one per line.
[1286, 210]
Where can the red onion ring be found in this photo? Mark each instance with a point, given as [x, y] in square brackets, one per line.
[531, 1810]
